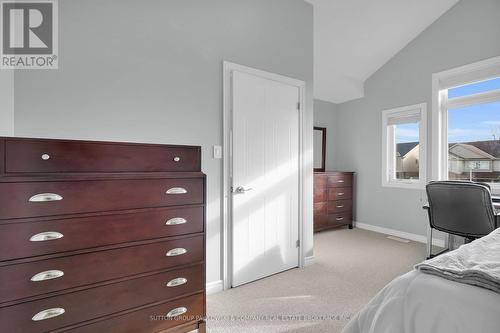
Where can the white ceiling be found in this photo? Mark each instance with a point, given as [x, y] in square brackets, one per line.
[354, 38]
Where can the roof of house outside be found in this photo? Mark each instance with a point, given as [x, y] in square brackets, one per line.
[404, 148]
[490, 147]
[469, 152]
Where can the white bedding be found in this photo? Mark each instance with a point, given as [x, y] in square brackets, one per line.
[476, 263]
[423, 303]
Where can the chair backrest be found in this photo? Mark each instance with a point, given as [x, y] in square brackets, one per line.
[461, 208]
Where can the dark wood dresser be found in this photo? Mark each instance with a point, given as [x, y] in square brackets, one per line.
[333, 199]
[101, 237]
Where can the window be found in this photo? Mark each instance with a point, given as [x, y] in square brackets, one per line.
[403, 146]
[474, 88]
[466, 117]
[474, 142]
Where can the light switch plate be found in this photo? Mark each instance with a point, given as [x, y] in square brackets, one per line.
[217, 151]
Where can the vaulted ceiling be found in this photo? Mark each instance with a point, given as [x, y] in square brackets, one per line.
[354, 38]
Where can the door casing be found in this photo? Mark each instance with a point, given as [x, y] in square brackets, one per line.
[228, 68]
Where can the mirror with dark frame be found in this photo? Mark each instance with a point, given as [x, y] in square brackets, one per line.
[319, 148]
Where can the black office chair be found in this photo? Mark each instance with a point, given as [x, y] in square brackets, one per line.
[460, 208]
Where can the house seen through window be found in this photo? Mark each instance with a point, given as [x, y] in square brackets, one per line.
[474, 133]
[407, 150]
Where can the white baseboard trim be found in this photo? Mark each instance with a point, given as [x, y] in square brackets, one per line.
[400, 234]
[308, 261]
[214, 287]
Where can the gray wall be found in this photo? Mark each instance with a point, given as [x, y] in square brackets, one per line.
[151, 71]
[467, 33]
[325, 115]
[6, 102]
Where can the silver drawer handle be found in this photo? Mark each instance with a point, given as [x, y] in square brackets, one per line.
[176, 221]
[340, 193]
[47, 314]
[340, 181]
[44, 197]
[177, 282]
[339, 218]
[46, 236]
[177, 312]
[177, 159]
[340, 206]
[176, 190]
[176, 252]
[47, 275]
[45, 157]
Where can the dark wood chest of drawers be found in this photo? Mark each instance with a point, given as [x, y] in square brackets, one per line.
[101, 237]
[333, 199]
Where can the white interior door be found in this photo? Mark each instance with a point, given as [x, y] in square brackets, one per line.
[265, 177]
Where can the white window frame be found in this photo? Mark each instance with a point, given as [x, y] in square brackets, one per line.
[441, 82]
[388, 153]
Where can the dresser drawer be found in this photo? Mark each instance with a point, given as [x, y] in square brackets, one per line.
[20, 240]
[31, 199]
[339, 206]
[320, 208]
[320, 180]
[320, 221]
[48, 156]
[339, 193]
[339, 219]
[84, 269]
[340, 180]
[149, 320]
[320, 195]
[101, 301]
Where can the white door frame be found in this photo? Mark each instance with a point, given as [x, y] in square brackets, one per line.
[228, 68]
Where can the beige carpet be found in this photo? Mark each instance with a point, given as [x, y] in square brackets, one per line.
[350, 267]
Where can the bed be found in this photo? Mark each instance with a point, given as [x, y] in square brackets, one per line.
[458, 293]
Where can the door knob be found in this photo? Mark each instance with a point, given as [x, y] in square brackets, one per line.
[241, 190]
